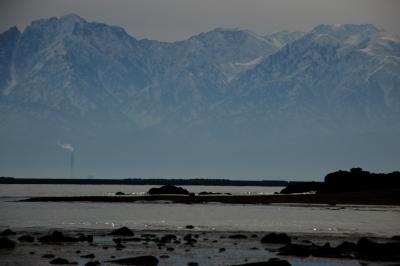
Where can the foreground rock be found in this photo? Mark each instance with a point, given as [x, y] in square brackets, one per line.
[274, 238]
[365, 249]
[59, 261]
[7, 232]
[26, 238]
[6, 243]
[57, 237]
[138, 261]
[123, 231]
[271, 262]
[168, 189]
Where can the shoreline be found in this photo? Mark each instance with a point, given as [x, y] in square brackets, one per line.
[378, 197]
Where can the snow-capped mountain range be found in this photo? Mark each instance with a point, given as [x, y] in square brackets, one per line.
[65, 74]
[70, 67]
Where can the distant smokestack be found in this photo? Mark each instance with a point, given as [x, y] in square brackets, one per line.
[71, 165]
[69, 148]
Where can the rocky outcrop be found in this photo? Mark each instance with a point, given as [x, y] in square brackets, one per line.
[123, 231]
[168, 189]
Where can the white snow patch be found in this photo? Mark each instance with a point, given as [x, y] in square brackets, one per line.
[253, 62]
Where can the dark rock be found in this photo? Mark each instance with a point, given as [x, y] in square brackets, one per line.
[32, 253]
[48, 256]
[88, 256]
[26, 238]
[138, 261]
[78, 252]
[189, 227]
[170, 249]
[168, 238]
[8, 232]
[59, 261]
[238, 236]
[271, 262]
[370, 250]
[168, 189]
[189, 239]
[295, 250]
[346, 247]
[254, 236]
[119, 193]
[275, 238]
[192, 263]
[222, 249]
[88, 238]
[57, 236]
[92, 263]
[7, 243]
[123, 231]
[396, 238]
[119, 246]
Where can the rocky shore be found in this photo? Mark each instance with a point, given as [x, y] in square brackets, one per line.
[368, 197]
[189, 246]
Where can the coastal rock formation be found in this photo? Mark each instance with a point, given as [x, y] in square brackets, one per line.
[7, 232]
[57, 236]
[26, 238]
[168, 189]
[123, 231]
[6, 243]
[276, 238]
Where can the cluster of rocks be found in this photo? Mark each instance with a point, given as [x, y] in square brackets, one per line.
[364, 249]
[281, 243]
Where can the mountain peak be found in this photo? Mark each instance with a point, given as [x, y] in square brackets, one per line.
[345, 28]
[74, 18]
[11, 31]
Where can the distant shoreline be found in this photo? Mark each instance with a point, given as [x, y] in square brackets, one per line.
[377, 197]
[137, 181]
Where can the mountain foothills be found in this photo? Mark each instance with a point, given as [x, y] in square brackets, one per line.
[66, 79]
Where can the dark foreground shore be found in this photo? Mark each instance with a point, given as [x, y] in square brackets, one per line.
[379, 197]
[192, 247]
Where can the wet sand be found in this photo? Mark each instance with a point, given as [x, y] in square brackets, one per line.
[207, 248]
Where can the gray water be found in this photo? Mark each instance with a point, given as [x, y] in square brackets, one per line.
[375, 220]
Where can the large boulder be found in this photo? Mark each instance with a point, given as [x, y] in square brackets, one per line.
[168, 189]
[6, 243]
[123, 231]
[276, 238]
[57, 236]
[7, 232]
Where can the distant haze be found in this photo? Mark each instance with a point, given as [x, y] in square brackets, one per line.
[171, 20]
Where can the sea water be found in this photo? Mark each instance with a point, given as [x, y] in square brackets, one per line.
[371, 220]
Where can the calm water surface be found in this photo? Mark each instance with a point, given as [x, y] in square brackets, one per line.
[382, 221]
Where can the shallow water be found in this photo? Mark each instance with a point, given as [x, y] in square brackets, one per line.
[18, 190]
[380, 221]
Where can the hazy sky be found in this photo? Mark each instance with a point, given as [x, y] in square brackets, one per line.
[171, 20]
